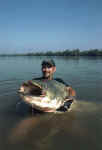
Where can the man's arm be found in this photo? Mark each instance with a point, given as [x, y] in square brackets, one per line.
[71, 91]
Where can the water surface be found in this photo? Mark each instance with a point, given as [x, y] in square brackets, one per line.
[79, 129]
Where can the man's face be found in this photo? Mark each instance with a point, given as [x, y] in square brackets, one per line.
[48, 70]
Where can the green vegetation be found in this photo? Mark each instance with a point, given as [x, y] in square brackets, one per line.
[67, 52]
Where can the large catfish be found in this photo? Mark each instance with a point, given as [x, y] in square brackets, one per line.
[46, 96]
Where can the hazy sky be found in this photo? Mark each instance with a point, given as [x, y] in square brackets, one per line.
[50, 25]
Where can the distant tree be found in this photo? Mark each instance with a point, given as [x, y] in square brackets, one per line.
[66, 52]
[49, 53]
[100, 53]
[93, 52]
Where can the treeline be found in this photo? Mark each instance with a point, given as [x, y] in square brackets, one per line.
[67, 52]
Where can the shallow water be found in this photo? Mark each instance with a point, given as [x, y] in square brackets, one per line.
[81, 128]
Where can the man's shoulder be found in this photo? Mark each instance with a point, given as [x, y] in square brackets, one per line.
[61, 80]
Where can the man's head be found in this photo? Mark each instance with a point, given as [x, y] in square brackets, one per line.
[48, 68]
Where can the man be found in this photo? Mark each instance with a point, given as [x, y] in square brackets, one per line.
[48, 69]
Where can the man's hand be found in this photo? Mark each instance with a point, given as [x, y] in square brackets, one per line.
[71, 91]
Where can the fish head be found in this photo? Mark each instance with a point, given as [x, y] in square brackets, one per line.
[36, 89]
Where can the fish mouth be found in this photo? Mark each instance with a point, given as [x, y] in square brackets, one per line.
[31, 93]
[31, 88]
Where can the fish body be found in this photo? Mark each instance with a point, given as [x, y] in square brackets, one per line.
[46, 96]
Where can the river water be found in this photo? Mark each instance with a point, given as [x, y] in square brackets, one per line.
[81, 128]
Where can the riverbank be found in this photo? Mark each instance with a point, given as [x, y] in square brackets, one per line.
[67, 52]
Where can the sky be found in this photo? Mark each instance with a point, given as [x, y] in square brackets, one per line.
[43, 25]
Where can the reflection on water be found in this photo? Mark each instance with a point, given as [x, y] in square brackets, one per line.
[81, 128]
